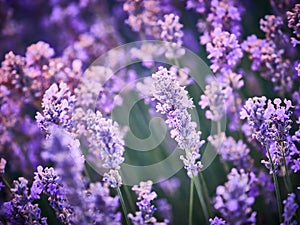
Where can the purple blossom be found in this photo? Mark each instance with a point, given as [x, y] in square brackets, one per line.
[47, 181]
[38, 54]
[106, 144]
[2, 165]
[293, 20]
[146, 209]
[170, 186]
[290, 208]
[21, 210]
[174, 102]
[236, 152]
[217, 221]
[215, 96]
[57, 107]
[172, 34]
[235, 198]
[270, 124]
[224, 51]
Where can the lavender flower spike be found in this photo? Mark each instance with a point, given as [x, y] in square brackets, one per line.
[235, 198]
[290, 208]
[146, 210]
[173, 101]
[57, 107]
[217, 221]
[106, 143]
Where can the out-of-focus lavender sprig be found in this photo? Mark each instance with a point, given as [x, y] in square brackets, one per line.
[273, 56]
[105, 140]
[294, 23]
[215, 96]
[46, 181]
[217, 221]
[21, 210]
[270, 124]
[233, 151]
[171, 33]
[235, 198]
[224, 50]
[173, 101]
[290, 208]
[146, 209]
[58, 104]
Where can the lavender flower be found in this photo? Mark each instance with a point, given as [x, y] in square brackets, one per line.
[38, 54]
[101, 207]
[172, 34]
[224, 50]
[215, 96]
[270, 124]
[217, 221]
[294, 23]
[57, 107]
[174, 102]
[290, 208]
[146, 210]
[47, 181]
[236, 152]
[235, 198]
[2, 165]
[170, 186]
[105, 142]
[21, 210]
[143, 15]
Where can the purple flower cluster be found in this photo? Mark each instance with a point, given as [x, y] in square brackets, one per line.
[146, 209]
[294, 23]
[235, 199]
[270, 123]
[174, 102]
[106, 144]
[217, 221]
[290, 208]
[21, 209]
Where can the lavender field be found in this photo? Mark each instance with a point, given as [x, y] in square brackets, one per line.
[140, 112]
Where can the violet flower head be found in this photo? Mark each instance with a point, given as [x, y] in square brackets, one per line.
[57, 107]
[172, 100]
[294, 20]
[216, 95]
[235, 198]
[2, 165]
[143, 16]
[146, 209]
[198, 5]
[236, 152]
[21, 210]
[47, 181]
[171, 33]
[217, 221]
[106, 143]
[101, 207]
[224, 50]
[289, 211]
[270, 124]
[38, 54]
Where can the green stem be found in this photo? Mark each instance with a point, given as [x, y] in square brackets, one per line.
[123, 206]
[6, 182]
[191, 202]
[201, 198]
[128, 195]
[277, 192]
[287, 176]
[206, 194]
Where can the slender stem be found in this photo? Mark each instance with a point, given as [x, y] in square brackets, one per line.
[201, 198]
[128, 195]
[206, 194]
[277, 192]
[123, 206]
[191, 202]
[287, 176]
[5, 181]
